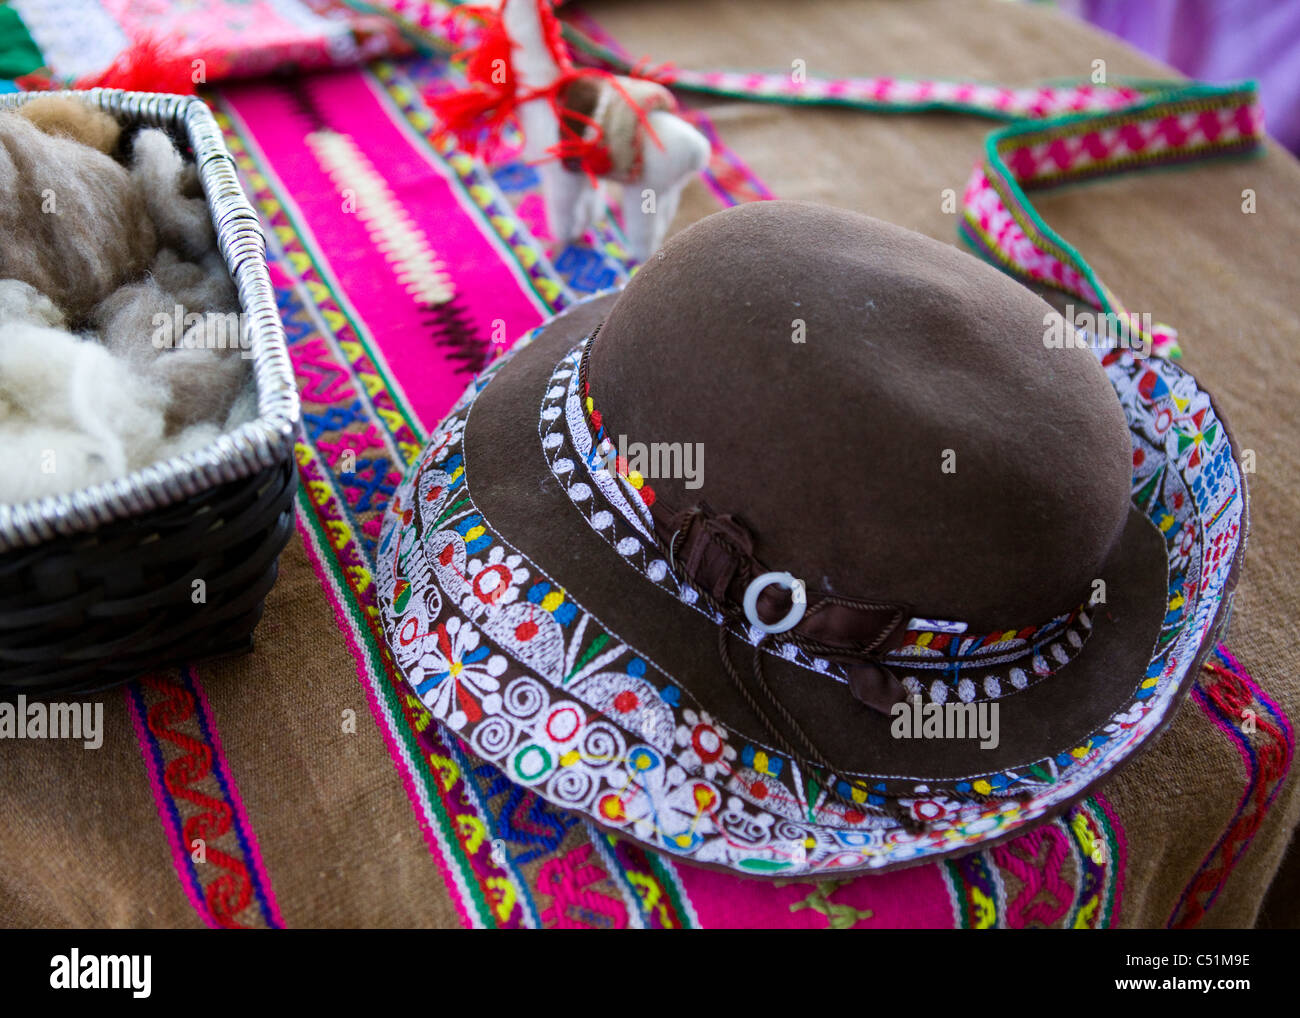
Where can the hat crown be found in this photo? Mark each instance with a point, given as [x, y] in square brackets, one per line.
[879, 407]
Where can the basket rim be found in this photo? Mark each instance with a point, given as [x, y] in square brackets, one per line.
[236, 455]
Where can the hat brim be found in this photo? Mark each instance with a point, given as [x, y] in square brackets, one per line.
[605, 692]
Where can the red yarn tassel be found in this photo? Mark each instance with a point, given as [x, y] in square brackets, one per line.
[150, 64]
[477, 115]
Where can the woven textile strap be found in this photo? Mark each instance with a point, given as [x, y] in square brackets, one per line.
[1054, 134]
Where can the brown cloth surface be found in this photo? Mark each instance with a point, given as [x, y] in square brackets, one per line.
[81, 843]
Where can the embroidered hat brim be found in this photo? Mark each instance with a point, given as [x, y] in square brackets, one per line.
[526, 614]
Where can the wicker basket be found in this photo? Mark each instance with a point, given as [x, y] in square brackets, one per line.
[98, 586]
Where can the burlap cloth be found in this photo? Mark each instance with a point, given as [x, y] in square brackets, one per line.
[81, 842]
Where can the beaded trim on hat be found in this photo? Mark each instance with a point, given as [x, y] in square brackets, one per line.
[1034, 651]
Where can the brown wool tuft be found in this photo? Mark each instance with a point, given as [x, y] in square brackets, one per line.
[70, 118]
[75, 224]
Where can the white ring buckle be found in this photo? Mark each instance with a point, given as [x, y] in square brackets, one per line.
[786, 582]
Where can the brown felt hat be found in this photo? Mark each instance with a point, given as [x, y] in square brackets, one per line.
[809, 552]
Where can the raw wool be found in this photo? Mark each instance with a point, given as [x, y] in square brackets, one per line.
[71, 413]
[75, 411]
[125, 321]
[145, 323]
[244, 408]
[203, 285]
[74, 223]
[203, 385]
[21, 302]
[183, 222]
[148, 368]
[59, 115]
[141, 319]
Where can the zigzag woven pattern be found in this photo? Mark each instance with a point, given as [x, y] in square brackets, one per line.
[214, 849]
[391, 229]
[1195, 122]
[1162, 130]
[888, 93]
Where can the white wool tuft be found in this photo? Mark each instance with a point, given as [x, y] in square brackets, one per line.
[22, 302]
[71, 413]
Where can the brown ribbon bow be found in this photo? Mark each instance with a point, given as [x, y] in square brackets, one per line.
[714, 552]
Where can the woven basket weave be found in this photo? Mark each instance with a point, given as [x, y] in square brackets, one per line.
[170, 563]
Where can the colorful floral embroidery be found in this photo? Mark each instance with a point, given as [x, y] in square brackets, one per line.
[457, 678]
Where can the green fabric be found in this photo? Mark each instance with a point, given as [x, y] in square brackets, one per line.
[19, 55]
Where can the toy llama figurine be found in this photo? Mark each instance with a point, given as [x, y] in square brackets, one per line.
[581, 127]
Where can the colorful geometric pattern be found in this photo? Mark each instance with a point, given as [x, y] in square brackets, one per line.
[377, 381]
[357, 427]
[213, 845]
[235, 38]
[1263, 736]
[1066, 874]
